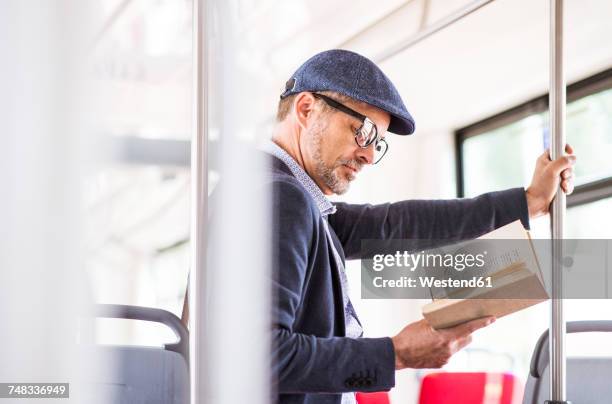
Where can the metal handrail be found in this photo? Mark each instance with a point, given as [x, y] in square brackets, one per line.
[541, 357]
[121, 311]
[199, 201]
[557, 208]
[430, 30]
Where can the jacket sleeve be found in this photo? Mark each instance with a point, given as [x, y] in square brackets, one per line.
[453, 219]
[305, 363]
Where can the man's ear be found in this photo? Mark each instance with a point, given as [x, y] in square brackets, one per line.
[303, 108]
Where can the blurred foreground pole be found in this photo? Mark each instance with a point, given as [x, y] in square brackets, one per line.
[43, 287]
[229, 283]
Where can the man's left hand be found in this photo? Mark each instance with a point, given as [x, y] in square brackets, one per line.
[546, 178]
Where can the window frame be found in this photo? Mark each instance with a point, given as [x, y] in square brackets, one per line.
[584, 193]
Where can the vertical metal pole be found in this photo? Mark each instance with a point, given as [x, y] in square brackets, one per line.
[230, 280]
[199, 204]
[557, 209]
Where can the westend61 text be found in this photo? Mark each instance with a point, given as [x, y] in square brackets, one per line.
[429, 282]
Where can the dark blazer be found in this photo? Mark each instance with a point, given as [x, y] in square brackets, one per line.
[312, 360]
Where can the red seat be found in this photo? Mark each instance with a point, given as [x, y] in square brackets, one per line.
[471, 388]
[381, 397]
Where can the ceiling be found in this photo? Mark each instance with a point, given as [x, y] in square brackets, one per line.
[487, 62]
[494, 58]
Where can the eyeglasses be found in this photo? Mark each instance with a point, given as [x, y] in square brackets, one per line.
[366, 134]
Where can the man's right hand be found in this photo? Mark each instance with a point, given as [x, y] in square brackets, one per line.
[418, 345]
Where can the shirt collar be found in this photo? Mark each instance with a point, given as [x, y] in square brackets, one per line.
[324, 204]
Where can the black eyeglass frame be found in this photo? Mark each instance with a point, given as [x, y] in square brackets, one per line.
[364, 119]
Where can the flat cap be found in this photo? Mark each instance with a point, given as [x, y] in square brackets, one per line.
[355, 76]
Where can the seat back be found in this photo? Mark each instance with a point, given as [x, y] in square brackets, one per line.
[381, 397]
[470, 387]
[588, 380]
[141, 375]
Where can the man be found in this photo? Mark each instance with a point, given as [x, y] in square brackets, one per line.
[332, 121]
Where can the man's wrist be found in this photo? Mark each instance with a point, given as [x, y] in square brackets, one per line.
[535, 206]
[399, 364]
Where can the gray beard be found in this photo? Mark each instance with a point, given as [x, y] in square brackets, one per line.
[338, 184]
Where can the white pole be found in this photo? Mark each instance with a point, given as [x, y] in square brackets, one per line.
[199, 204]
[230, 279]
[45, 130]
[557, 214]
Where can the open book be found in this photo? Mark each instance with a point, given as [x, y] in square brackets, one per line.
[517, 282]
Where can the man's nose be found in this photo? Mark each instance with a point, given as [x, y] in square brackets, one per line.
[366, 156]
